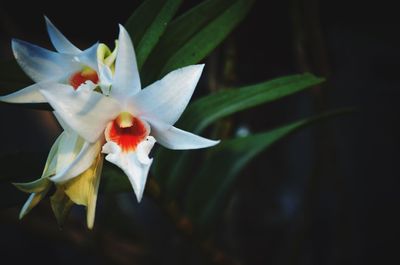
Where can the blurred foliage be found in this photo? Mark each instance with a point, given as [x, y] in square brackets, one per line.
[191, 37]
[148, 23]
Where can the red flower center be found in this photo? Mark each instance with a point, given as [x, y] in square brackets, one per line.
[81, 77]
[127, 131]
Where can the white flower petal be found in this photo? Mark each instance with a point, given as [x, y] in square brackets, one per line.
[86, 112]
[28, 94]
[167, 98]
[126, 78]
[177, 139]
[59, 41]
[82, 161]
[41, 64]
[135, 164]
[89, 57]
[62, 123]
[69, 146]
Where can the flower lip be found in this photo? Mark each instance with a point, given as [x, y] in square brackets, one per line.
[127, 131]
[81, 77]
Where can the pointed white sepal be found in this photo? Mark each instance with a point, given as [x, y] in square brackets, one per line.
[28, 94]
[59, 41]
[126, 77]
[41, 64]
[177, 139]
[167, 98]
[135, 164]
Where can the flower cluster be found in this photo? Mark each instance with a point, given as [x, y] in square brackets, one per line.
[97, 98]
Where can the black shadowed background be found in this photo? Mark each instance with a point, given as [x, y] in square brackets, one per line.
[325, 195]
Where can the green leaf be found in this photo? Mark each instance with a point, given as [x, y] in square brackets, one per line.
[114, 180]
[147, 24]
[172, 166]
[192, 36]
[205, 111]
[209, 190]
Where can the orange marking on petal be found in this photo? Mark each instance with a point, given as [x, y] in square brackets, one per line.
[127, 131]
[81, 77]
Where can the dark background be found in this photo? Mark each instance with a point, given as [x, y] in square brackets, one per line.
[326, 195]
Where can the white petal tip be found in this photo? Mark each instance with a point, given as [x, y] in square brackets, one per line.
[214, 142]
[139, 196]
[121, 28]
[28, 94]
[15, 43]
[122, 32]
[196, 68]
[47, 19]
[6, 99]
[206, 143]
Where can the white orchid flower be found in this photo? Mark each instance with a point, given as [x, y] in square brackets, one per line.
[70, 156]
[130, 118]
[68, 65]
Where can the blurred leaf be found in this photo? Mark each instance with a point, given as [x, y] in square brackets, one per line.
[114, 180]
[208, 192]
[148, 23]
[192, 36]
[171, 166]
[208, 109]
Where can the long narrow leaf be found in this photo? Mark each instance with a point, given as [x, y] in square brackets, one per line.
[191, 37]
[172, 166]
[205, 111]
[148, 23]
[208, 193]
